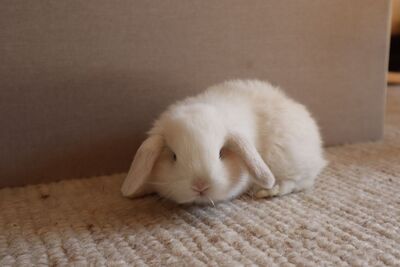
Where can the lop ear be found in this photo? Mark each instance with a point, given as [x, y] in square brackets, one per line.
[252, 159]
[135, 182]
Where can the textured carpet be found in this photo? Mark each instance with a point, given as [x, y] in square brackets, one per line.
[352, 217]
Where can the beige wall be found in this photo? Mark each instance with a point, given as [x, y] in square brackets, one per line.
[81, 81]
[396, 16]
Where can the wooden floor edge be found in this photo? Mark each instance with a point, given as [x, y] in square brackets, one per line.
[394, 77]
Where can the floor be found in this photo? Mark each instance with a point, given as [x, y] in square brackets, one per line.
[351, 218]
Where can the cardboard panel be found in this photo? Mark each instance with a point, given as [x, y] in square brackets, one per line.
[81, 81]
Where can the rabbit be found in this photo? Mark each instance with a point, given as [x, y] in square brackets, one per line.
[237, 136]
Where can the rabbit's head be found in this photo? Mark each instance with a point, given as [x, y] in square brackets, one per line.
[192, 156]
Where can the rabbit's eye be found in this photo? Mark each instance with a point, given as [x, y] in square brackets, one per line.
[224, 153]
[174, 156]
[221, 153]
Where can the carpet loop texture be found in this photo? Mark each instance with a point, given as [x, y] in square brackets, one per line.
[350, 218]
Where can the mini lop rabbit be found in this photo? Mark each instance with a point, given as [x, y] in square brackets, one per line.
[236, 136]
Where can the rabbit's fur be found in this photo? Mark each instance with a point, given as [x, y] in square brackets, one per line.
[267, 142]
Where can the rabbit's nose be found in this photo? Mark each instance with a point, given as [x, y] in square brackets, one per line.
[200, 186]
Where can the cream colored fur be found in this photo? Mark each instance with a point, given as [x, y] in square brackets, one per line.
[271, 145]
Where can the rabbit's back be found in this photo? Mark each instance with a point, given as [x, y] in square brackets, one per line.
[286, 135]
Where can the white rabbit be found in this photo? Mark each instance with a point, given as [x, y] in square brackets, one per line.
[236, 136]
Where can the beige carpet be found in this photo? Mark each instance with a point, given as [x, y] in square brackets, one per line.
[352, 217]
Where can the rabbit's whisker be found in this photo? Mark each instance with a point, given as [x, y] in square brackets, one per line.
[212, 202]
